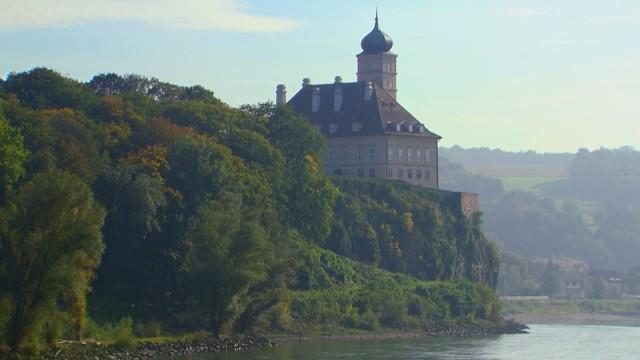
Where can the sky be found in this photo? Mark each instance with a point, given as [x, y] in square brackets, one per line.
[545, 75]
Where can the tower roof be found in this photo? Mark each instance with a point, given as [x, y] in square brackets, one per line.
[376, 41]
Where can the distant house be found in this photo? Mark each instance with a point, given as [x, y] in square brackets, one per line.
[606, 284]
[369, 134]
[573, 284]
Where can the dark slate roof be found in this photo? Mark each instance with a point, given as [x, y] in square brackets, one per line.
[380, 115]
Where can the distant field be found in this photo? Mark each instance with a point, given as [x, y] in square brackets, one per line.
[525, 183]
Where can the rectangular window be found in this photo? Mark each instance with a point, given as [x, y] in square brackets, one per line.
[331, 155]
[427, 155]
[410, 154]
[390, 152]
[390, 173]
[345, 155]
[400, 173]
[333, 128]
[360, 173]
[400, 153]
[410, 174]
[418, 174]
[360, 155]
[372, 154]
[372, 173]
[427, 174]
[418, 155]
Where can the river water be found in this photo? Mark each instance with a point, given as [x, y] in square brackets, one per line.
[545, 342]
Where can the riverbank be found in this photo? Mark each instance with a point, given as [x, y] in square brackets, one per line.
[573, 311]
[152, 350]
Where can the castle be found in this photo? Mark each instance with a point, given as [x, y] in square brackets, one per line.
[369, 134]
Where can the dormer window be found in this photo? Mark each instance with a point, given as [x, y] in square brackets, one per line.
[356, 127]
[410, 128]
[398, 127]
[333, 128]
[337, 99]
[315, 100]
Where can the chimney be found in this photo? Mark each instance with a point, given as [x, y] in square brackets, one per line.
[315, 100]
[338, 79]
[368, 91]
[281, 95]
[306, 82]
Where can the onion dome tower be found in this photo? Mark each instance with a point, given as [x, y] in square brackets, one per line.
[376, 62]
[376, 41]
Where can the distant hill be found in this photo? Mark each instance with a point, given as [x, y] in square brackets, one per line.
[584, 205]
[504, 164]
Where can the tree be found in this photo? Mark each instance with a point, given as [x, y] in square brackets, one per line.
[12, 153]
[51, 246]
[135, 200]
[229, 252]
[43, 88]
[310, 196]
[551, 281]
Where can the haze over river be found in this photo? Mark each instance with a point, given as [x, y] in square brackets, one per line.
[545, 342]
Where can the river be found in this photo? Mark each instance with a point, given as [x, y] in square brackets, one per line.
[545, 342]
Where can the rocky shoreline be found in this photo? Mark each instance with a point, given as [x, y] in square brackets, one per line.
[77, 351]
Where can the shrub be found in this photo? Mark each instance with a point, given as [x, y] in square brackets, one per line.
[123, 334]
[148, 330]
[369, 321]
[394, 313]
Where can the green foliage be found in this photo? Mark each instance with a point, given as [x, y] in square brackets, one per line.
[551, 281]
[214, 218]
[515, 277]
[12, 153]
[123, 334]
[51, 246]
[361, 296]
[418, 231]
[309, 195]
[229, 252]
[43, 88]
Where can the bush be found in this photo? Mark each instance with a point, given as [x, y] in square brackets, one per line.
[393, 313]
[369, 321]
[148, 330]
[123, 334]
[350, 321]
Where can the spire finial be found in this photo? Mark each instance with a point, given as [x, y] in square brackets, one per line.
[376, 16]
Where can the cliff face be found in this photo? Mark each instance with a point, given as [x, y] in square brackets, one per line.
[428, 234]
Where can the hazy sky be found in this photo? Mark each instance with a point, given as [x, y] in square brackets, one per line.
[549, 75]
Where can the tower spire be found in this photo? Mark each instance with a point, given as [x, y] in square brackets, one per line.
[376, 26]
